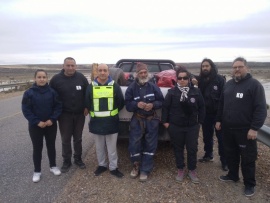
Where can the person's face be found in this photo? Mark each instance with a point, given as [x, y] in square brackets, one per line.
[239, 70]
[142, 76]
[103, 72]
[69, 67]
[182, 79]
[206, 68]
[41, 78]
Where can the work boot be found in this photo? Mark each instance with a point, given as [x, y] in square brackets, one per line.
[135, 171]
[79, 163]
[66, 166]
[143, 177]
[193, 176]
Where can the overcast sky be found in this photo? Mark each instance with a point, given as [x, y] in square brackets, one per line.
[104, 31]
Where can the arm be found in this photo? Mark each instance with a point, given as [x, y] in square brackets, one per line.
[88, 97]
[27, 109]
[166, 109]
[201, 108]
[57, 107]
[131, 105]
[159, 99]
[119, 98]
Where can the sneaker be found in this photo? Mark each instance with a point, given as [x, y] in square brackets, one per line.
[36, 177]
[249, 191]
[117, 173]
[206, 159]
[135, 171]
[227, 178]
[100, 170]
[224, 167]
[66, 166]
[79, 163]
[180, 175]
[143, 177]
[55, 170]
[193, 176]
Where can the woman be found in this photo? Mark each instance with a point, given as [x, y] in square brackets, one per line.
[182, 112]
[41, 107]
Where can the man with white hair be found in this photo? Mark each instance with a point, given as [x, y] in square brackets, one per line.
[143, 98]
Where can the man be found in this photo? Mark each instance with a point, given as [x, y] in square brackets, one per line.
[71, 86]
[143, 98]
[241, 113]
[211, 84]
[104, 99]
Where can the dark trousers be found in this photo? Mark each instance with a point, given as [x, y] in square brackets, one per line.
[208, 128]
[142, 146]
[71, 125]
[37, 134]
[239, 149]
[181, 137]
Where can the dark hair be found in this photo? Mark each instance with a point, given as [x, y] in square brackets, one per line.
[242, 59]
[182, 69]
[40, 70]
[213, 71]
[69, 58]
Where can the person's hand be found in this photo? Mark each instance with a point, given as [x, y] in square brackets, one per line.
[194, 81]
[166, 125]
[49, 123]
[252, 134]
[85, 112]
[218, 126]
[148, 107]
[42, 124]
[141, 105]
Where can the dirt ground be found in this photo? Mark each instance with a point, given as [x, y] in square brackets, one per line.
[161, 186]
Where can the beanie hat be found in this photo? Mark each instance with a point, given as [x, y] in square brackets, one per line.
[141, 66]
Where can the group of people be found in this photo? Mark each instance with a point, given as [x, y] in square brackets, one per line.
[234, 111]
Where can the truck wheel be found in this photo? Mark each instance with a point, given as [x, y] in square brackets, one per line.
[118, 76]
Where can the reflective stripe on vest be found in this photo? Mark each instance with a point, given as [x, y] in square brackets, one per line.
[103, 92]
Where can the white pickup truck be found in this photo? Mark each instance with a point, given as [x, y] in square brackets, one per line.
[122, 72]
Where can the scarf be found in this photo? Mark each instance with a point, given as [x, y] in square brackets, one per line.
[184, 91]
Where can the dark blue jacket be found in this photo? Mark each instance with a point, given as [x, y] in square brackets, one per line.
[41, 104]
[148, 93]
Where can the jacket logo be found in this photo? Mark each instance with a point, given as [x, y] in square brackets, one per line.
[78, 87]
[239, 95]
[192, 100]
[215, 87]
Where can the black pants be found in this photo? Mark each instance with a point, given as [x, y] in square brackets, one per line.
[208, 127]
[37, 134]
[181, 137]
[71, 125]
[238, 148]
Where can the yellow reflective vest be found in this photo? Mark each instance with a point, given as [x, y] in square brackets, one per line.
[103, 92]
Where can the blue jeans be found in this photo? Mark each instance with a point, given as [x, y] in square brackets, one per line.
[208, 131]
[143, 143]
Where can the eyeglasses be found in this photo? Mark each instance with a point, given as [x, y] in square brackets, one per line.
[237, 67]
[182, 78]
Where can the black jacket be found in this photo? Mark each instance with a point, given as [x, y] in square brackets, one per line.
[183, 114]
[71, 91]
[41, 104]
[243, 104]
[104, 125]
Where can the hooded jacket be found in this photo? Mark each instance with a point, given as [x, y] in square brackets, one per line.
[211, 88]
[243, 104]
[41, 103]
[104, 125]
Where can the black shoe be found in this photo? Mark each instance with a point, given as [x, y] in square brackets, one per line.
[117, 173]
[224, 167]
[79, 163]
[249, 191]
[100, 170]
[227, 178]
[206, 159]
[66, 166]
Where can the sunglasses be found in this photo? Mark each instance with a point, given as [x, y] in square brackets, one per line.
[182, 78]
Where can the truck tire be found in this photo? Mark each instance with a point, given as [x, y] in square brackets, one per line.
[118, 76]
